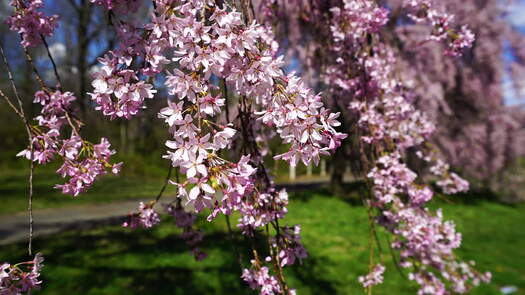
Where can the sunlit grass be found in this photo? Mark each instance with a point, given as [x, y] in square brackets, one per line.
[113, 260]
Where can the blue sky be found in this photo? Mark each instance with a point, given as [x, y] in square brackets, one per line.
[516, 16]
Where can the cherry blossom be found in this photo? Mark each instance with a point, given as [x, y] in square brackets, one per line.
[146, 217]
[375, 277]
[261, 280]
[22, 277]
[83, 162]
[30, 23]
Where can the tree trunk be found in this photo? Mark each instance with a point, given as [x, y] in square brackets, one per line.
[84, 13]
[338, 169]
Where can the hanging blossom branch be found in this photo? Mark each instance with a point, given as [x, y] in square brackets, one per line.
[359, 70]
[83, 161]
[442, 25]
[390, 124]
[20, 112]
[207, 41]
[23, 277]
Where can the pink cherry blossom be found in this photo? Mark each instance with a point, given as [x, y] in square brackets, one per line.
[146, 217]
[30, 23]
[21, 278]
[375, 277]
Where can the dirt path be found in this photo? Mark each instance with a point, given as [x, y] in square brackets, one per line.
[15, 227]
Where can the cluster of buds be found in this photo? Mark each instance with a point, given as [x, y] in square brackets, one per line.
[22, 277]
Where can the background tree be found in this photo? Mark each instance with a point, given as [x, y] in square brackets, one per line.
[463, 96]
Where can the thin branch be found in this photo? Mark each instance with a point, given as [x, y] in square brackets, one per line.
[35, 71]
[166, 181]
[52, 62]
[73, 126]
[226, 100]
[20, 111]
[30, 201]
[31, 148]
[10, 103]
[45, 88]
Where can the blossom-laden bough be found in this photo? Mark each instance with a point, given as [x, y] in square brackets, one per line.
[359, 72]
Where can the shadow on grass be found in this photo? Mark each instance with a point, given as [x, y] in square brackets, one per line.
[117, 261]
[352, 192]
[308, 274]
[355, 190]
[474, 197]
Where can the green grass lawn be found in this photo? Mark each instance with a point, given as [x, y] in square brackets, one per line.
[138, 180]
[113, 260]
[14, 188]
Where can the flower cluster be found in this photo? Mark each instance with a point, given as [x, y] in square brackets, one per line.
[119, 92]
[267, 207]
[390, 178]
[442, 23]
[303, 123]
[83, 162]
[259, 278]
[146, 217]
[289, 243]
[384, 108]
[199, 51]
[421, 237]
[363, 73]
[448, 181]
[453, 184]
[21, 277]
[356, 19]
[378, 99]
[375, 277]
[30, 23]
[52, 119]
[241, 55]
[431, 241]
[83, 172]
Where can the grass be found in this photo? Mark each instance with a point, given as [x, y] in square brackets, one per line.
[14, 188]
[140, 178]
[113, 260]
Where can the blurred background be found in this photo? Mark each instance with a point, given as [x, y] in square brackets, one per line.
[477, 103]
